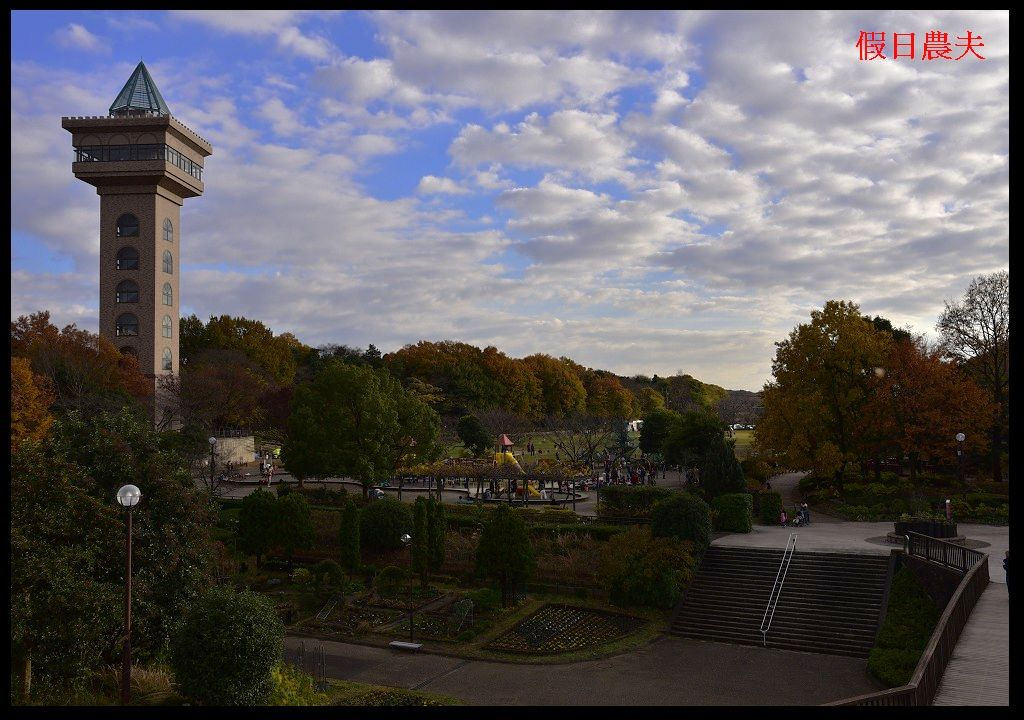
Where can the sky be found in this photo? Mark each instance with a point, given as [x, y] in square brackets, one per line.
[644, 192]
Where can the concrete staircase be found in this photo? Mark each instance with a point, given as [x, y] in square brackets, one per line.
[830, 602]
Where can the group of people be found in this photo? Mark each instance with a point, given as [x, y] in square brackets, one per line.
[622, 472]
[801, 516]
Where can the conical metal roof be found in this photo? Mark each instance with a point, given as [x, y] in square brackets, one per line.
[139, 96]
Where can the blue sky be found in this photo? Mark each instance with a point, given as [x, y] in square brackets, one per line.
[644, 192]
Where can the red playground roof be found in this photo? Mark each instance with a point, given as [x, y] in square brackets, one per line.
[504, 441]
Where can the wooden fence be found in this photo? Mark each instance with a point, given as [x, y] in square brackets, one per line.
[920, 691]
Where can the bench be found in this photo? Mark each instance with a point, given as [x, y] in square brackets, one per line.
[402, 645]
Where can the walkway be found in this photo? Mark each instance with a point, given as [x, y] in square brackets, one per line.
[979, 671]
[668, 671]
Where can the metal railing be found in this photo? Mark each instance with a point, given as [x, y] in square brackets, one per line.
[920, 690]
[780, 580]
[945, 553]
[121, 153]
[312, 661]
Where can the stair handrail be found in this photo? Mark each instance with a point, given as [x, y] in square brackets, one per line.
[780, 580]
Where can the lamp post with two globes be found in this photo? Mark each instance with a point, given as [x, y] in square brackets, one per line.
[128, 497]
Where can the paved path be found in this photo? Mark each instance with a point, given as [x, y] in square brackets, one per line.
[668, 671]
[979, 671]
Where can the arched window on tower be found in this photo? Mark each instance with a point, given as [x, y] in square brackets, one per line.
[168, 230]
[168, 294]
[127, 292]
[168, 262]
[168, 364]
[127, 226]
[166, 326]
[126, 325]
[127, 258]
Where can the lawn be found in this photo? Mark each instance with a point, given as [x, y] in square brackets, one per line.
[744, 438]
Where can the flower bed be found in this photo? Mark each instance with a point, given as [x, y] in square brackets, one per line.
[354, 621]
[565, 628]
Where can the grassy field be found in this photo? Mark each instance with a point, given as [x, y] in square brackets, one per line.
[543, 442]
[743, 438]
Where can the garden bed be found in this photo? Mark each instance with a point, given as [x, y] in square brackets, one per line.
[555, 629]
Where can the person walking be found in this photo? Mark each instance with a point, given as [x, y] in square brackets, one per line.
[807, 514]
[1006, 568]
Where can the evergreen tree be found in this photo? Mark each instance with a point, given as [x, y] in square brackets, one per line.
[504, 553]
[720, 471]
[421, 510]
[294, 523]
[436, 527]
[350, 552]
[257, 523]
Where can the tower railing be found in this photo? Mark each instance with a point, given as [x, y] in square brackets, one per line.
[780, 580]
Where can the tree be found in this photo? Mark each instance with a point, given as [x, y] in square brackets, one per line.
[474, 435]
[382, 524]
[650, 400]
[606, 397]
[65, 528]
[83, 370]
[350, 553]
[920, 403]
[504, 553]
[823, 378]
[655, 429]
[976, 334]
[30, 403]
[578, 436]
[419, 538]
[258, 523]
[226, 647]
[358, 422]
[691, 436]
[562, 392]
[294, 524]
[437, 526]
[720, 471]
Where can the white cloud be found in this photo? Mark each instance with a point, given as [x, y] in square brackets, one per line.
[281, 24]
[431, 185]
[78, 37]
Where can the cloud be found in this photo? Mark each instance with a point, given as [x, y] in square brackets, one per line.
[281, 24]
[640, 191]
[431, 185]
[77, 37]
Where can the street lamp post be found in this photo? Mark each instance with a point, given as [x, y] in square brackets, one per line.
[960, 437]
[128, 497]
[407, 541]
[213, 444]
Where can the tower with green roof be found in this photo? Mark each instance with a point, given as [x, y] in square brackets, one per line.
[143, 163]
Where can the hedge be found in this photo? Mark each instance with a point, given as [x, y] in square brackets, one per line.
[909, 622]
[630, 500]
[683, 516]
[733, 512]
[771, 507]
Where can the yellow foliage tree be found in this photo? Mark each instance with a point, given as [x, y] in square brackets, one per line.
[30, 403]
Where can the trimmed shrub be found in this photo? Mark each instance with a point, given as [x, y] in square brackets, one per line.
[437, 527]
[684, 517]
[630, 500]
[734, 512]
[226, 647]
[771, 507]
[390, 581]
[302, 576]
[638, 568]
[329, 574]
[420, 508]
[383, 522]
